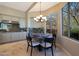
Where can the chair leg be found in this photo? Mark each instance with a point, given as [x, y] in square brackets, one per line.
[45, 48]
[52, 51]
[27, 48]
[45, 51]
[31, 51]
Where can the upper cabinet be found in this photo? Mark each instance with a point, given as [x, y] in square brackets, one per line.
[12, 23]
[8, 17]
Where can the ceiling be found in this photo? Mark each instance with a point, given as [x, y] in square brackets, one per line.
[24, 6]
[44, 6]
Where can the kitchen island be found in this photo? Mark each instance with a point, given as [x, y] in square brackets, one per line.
[12, 36]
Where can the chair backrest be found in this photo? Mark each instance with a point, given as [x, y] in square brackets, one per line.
[49, 40]
[29, 38]
[54, 33]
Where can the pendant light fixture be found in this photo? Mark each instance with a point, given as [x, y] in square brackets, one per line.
[40, 18]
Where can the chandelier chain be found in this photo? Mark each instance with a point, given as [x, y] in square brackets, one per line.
[40, 8]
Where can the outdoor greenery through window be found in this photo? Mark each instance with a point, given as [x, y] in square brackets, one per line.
[70, 20]
[51, 22]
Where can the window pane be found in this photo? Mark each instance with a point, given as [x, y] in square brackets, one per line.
[70, 17]
[51, 22]
[65, 18]
[74, 28]
[65, 30]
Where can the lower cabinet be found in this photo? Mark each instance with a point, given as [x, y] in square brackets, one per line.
[12, 36]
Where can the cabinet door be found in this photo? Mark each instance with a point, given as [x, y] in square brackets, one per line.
[1, 37]
[14, 36]
[6, 37]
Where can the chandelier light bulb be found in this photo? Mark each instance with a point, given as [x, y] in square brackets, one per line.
[42, 20]
[35, 19]
[38, 17]
[41, 15]
[45, 19]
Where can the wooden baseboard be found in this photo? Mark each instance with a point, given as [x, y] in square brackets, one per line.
[11, 41]
[58, 45]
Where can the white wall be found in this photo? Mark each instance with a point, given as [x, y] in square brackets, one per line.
[71, 45]
[10, 11]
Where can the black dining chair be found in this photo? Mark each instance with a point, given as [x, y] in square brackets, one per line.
[48, 43]
[54, 40]
[54, 37]
[31, 43]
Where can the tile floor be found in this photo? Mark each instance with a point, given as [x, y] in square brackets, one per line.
[19, 49]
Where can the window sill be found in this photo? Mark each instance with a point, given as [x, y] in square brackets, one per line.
[72, 39]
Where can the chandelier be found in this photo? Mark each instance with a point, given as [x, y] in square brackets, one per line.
[40, 18]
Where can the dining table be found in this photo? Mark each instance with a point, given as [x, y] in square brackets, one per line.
[41, 37]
